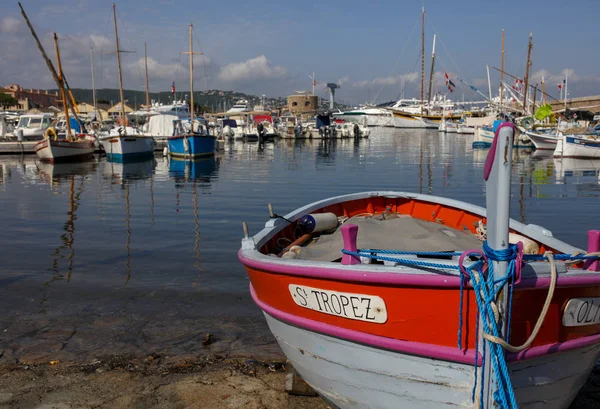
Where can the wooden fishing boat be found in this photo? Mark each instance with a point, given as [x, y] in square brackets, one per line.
[392, 309]
[577, 146]
[197, 141]
[64, 149]
[124, 143]
[542, 141]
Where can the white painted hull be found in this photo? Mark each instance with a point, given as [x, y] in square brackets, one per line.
[120, 147]
[573, 146]
[463, 129]
[416, 123]
[448, 127]
[355, 376]
[62, 150]
[542, 141]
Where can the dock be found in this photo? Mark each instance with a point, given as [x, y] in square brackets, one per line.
[17, 148]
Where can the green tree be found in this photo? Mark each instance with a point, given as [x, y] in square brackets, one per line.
[7, 101]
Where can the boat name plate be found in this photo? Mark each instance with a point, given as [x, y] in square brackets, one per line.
[582, 311]
[361, 307]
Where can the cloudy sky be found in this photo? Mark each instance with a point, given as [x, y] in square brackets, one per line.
[270, 47]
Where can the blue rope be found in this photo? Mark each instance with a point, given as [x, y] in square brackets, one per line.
[405, 261]
[486, 292]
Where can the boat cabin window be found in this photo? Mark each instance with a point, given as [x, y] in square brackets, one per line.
[23, 122]
[34, 123]
[46, 122]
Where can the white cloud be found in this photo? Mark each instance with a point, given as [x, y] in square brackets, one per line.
[10, 25]
[389, 80]
[258, 68]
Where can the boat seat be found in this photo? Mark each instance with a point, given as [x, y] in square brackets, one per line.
[403, 233]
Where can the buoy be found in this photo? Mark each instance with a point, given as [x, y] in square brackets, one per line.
[318, 222]
[529, 246]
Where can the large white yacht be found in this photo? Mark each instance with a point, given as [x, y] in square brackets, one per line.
[240, 106]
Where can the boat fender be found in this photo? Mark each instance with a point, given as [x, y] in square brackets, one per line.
[290, 254]
[529, 246]
[318, 222]
[51, 133]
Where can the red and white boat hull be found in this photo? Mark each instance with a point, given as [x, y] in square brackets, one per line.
[63, 150]
[385, 336]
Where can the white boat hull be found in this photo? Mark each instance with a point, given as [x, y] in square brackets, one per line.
[464, 129]
[541, 141]
[574, 146]
[62, 150]
[354, 376]
[127, 147]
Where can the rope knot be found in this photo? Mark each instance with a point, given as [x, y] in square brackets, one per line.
[508, 254]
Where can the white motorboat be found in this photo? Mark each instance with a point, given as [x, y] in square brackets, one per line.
[240, 106]
[33, 126]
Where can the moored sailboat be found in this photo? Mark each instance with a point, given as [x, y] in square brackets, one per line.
[125, 143]
[197, 142]
[370, 313]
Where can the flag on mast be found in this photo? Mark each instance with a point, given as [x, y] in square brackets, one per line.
[173, 88]
[449, 82]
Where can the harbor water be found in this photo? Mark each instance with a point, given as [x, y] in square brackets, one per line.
[104, 258]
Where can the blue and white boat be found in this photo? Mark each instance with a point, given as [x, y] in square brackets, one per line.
[484, 136]
[125, 143]
[578, 146]
[195, 142]
[190, 145]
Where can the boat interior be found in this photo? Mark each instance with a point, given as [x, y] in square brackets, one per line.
[390, 223]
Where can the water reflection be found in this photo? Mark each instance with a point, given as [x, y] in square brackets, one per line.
[52, 173]
[571, 170]
[190, 170]
[118, 172]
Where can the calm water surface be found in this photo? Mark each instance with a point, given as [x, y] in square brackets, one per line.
[101, 257]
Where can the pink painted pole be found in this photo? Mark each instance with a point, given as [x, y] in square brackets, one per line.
[593, 247]
[349, 234]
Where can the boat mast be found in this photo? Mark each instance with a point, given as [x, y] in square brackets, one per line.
[46, 59]
[566, 85]
[502, 74]
[119, 68]
[527, 72]
[147, 86]
[487, 67]
[191, 82]
[93, 84]
[62, 88]
[544, 90]
[431, 72]
[422, 58]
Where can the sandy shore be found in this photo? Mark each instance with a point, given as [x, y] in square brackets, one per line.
[152, 382]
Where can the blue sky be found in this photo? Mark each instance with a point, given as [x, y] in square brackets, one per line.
[270, 47]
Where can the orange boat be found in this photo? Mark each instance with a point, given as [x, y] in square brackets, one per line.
[419, 301]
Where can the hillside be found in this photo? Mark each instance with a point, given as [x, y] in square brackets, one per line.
[214, 100]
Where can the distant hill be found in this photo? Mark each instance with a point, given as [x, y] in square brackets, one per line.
[213, 100]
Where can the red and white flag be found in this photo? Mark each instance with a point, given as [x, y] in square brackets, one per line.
[173, 88]
[449, 82]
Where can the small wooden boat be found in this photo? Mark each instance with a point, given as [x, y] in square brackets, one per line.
[64, 149]
[197, 141]
[125, 143]
[392, 309]
[542, 141]
[577, 146]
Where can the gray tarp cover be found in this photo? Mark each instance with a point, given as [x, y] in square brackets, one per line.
[403, 233]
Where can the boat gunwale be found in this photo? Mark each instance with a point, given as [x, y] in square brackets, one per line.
[250, 256]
